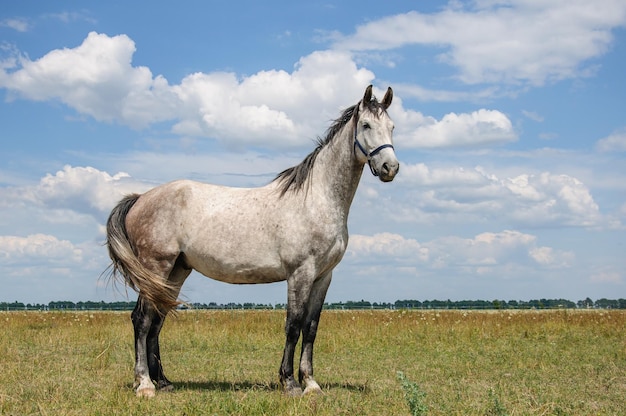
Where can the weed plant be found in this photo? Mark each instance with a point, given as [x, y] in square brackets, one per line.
[413, 396]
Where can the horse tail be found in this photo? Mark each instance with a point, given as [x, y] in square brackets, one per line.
[149, 285]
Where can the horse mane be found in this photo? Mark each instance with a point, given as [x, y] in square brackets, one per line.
[295, 177]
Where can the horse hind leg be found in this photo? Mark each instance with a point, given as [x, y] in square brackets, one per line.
[148, 322]
[177, 276]
[142, 318]
[154, 355]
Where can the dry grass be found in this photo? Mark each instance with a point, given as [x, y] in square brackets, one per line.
[226, 363]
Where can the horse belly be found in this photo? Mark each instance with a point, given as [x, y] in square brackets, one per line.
[238, 267]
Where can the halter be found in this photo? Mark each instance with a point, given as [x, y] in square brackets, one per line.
[370, 154]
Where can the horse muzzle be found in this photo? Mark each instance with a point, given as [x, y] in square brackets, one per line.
[388, 171]
[385, 168]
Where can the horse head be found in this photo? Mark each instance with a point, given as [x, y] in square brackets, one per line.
[373, 135]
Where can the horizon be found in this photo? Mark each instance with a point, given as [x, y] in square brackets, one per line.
[509, 119]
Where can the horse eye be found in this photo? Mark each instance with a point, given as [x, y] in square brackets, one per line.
[367, 126]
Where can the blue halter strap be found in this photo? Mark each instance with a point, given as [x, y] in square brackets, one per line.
[370, 154]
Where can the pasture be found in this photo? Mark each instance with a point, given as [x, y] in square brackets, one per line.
[564, 362]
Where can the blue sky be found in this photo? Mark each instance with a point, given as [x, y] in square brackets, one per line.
[510, 129]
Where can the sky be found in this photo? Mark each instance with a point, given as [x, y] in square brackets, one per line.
[510, 130]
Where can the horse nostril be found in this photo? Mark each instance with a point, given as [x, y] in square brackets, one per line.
[386, 168]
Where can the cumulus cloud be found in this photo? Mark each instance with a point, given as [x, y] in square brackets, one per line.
[97, 78]
[37, 248]
[476, 129]
[387, 245]
[548, 256]
[484, 250]
[272, 108]
[543, 199]
[515, 41]
[84, 190]
[42, 267]
[615, 142]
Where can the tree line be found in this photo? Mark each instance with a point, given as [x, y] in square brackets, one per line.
[587, 303]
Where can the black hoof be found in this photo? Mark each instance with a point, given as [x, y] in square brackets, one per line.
[165, 386]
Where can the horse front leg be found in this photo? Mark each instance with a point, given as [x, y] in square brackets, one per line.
[293, 326]
[298, 290]
[309, 332]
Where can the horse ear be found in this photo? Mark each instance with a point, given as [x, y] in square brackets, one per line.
[387, 98]
[368, 95]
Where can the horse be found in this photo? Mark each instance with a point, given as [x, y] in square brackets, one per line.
[294, 229]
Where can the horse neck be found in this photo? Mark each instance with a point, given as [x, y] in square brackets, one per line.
[337, 172]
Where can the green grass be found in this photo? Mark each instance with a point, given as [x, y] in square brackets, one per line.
[226, 363]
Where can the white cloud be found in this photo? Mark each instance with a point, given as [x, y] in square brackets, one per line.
[607, 276]
[69, 17]
[479, 128]
[533, 116]
[42, 267]
[37, 248]
[512, 41]
[274, 107]
[615, 142]
[547, 256]
[420, 174]
[95, 78]
[543, 199]
[270, 107]
[427, 94]
[485, 250]
[18, 24]
[83, 190]
[387, 245]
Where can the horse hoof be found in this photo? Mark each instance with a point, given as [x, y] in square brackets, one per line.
[293, 392]
[167, 388]
[311, 386]
[291, 387]
[312, 390]
[146, 392]
[165, 385]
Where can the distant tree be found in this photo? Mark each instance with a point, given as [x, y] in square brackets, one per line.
[15, 306]
[607, 303]
[407, 304]
[587, 303]
[362, 304]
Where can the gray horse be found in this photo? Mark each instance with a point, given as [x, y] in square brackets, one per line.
[293, 229]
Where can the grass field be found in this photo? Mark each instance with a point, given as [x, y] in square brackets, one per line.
[226, 363]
